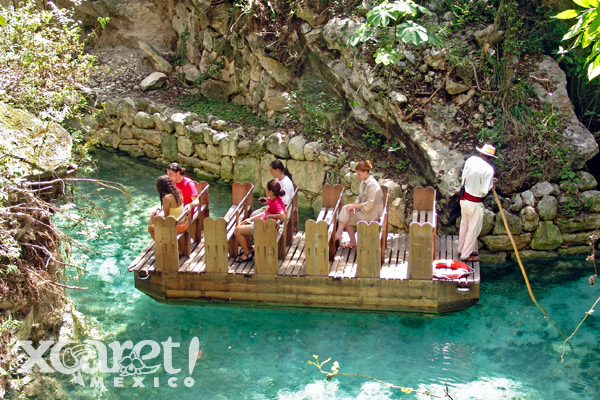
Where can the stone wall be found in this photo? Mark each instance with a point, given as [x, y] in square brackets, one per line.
[224, 56]
[216, 150]
[547, 221]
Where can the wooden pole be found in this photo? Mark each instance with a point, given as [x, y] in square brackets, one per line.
[521, 265]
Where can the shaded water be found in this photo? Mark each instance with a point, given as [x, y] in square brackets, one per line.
[501, 348]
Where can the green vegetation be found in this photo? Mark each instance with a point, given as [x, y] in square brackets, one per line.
[388, 25]
[180, 57]
[581, 58]
[586, 32]
[315, 111]
[469, 13]
[527, 133]
[44, 68]
[42, 61]
[225, 111]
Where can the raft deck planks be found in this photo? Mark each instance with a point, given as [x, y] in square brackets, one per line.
[343, 266]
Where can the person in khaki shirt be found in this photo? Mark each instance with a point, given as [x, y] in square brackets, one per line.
[367, 207]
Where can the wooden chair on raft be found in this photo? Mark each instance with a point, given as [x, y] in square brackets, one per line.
[219, 240]
[200, 212]
[170, 241]
[241, 208]
[291, 213]
[371, 243]
[320, 245]
[422, 233]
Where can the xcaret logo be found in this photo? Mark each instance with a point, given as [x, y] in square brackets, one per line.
[128, 361]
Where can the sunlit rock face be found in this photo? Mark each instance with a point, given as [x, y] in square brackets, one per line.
[31, 146]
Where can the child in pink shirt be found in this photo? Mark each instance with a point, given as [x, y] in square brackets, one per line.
[275, 210]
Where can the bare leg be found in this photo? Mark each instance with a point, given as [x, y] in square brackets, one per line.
[242, 233]
[342, 220]
[340, 230]
[151, 227]
[350, 230]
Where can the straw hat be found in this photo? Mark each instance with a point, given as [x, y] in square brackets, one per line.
[487, 150]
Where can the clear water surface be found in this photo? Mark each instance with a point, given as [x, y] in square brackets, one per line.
[502, 348]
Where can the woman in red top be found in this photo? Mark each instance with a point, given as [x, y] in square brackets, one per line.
[275, 210]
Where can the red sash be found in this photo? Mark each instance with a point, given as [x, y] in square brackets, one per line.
[471, 198]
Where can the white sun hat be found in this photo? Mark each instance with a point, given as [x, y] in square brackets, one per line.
[487, 150]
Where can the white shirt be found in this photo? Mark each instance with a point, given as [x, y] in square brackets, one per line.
[288, 186]
[477, 176]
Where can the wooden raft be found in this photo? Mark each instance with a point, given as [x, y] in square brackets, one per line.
[310, 270]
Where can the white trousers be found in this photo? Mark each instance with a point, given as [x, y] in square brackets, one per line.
[470, 227]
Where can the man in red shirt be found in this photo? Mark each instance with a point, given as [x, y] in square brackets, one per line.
[187, 186]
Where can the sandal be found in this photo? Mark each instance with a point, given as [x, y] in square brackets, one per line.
[248, 257]
[473, 258]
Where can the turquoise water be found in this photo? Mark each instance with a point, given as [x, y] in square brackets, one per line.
[501, 348]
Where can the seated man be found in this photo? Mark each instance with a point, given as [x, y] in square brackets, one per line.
[187, 186]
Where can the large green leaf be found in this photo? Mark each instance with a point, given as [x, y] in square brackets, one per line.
[361, 35]
[410, 32]
[594, 68]
[386, 55]
[567, 14]
[2, 21]
[575, 29]
[586, 3]
[585, 40]
[381, 15]
[593, 28]
[403, 7]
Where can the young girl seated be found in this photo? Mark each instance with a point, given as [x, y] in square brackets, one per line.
[275, 210]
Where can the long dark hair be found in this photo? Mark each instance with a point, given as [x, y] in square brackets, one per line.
[165, 186]
[275, 187]
[277, 164]
[175, 167]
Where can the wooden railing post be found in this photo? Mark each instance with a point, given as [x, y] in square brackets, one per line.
[166, 251]
[383, 223]
[266, 247]
[421, 234]
[202, 210]
[332, 198]
[241, 200]
[368, 250]
[215, 245]
[420, 251]
[316, 248]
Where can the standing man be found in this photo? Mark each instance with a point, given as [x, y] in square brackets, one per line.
[477, 179]
[186, 186]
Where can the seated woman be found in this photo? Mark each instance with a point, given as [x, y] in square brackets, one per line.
[367, 207]
[171, 201]
[275, 210]
[172, 204]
